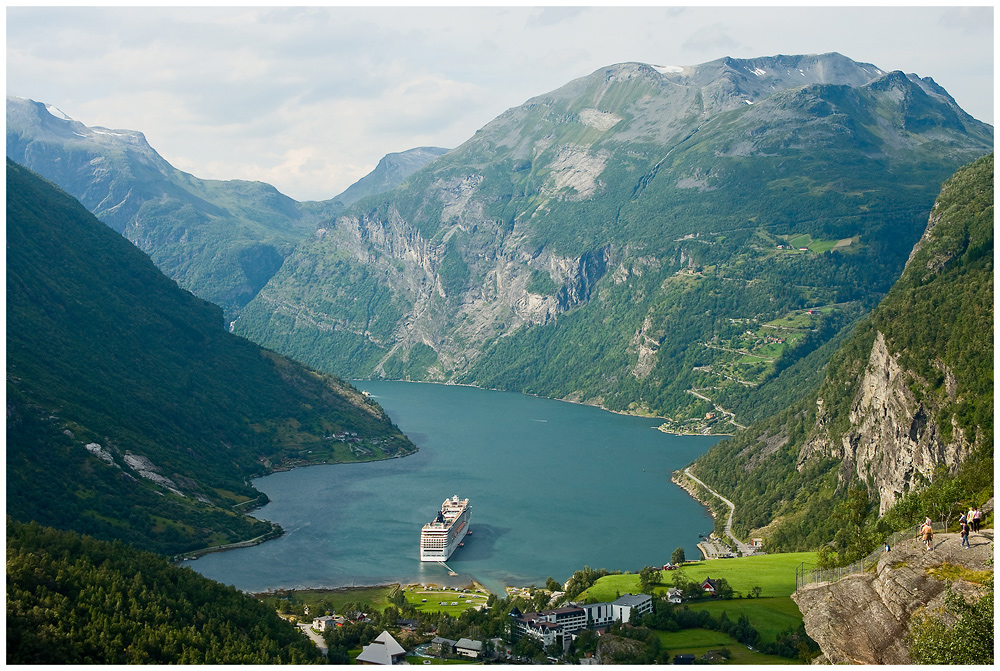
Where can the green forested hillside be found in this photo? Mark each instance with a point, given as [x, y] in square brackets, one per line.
[131, 413]
[76, 600]
[800, 467]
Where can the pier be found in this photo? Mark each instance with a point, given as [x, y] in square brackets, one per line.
[450, 571]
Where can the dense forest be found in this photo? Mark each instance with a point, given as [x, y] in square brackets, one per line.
[72, 599]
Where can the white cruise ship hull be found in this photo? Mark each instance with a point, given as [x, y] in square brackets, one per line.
[440, 538]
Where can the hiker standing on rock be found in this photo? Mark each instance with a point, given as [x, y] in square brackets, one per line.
[927, 533]
[977, 516]
[964, 533]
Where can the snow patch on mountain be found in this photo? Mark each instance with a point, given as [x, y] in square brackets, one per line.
[57, 113]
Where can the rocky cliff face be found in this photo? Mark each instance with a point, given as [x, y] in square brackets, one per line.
[864, 618]
[495, 296]
[900, 429]
[894, 441]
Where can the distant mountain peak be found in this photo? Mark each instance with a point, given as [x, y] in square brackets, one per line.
[391, 171]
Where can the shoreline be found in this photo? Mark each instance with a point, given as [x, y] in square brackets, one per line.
[399, 584]
[277, 531]
[680, 479]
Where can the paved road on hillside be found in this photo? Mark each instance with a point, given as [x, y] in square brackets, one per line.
[745, 549]
[316, 638]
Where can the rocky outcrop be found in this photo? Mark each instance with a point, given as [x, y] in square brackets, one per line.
[864, 618]
[894, 441]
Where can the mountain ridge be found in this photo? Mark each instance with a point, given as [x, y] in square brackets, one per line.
[623, 177]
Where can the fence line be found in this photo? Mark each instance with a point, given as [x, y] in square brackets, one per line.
[807, 576]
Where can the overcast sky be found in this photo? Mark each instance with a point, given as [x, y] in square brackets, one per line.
[309, 99]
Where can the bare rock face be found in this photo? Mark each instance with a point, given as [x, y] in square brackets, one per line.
[896, 436]
[864, 618]
[894, 441]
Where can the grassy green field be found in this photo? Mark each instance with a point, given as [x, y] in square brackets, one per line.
[699, 641]
[416, 595]
[774, 574]
[769, 616]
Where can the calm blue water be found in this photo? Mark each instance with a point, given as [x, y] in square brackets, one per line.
[553, 487]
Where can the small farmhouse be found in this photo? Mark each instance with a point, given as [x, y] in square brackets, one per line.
[710, 586]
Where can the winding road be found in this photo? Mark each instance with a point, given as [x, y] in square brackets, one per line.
[316, 638]
[744, 548]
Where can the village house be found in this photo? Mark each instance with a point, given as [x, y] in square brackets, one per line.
[407, 625]
[469, 648]
[442, 646]
[384, 651]
[324, 622]
[674, 595]
[710, 586]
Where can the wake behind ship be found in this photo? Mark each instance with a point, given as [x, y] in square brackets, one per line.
[438, 539]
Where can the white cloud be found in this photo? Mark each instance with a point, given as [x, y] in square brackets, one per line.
[310, 98]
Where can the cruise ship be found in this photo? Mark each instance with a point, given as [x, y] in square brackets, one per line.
[438, 539]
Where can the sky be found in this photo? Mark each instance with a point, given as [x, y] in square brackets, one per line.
[310, 98]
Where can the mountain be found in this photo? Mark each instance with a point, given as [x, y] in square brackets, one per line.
[221, 240]
[902, 425]
[676, 241]
[131, 412]
[390, 172]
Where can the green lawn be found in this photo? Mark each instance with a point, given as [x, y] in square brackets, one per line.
[774, 574]
[699, 641]
[416, 594]
[769, 616]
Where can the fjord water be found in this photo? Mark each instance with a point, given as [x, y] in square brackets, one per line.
[553, 487]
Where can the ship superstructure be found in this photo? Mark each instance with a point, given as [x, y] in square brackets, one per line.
[438, 539]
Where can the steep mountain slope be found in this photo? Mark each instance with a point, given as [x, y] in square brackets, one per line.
[390, 172]
[906, 402]
[222, 240]
[131, 412]
[645, 238]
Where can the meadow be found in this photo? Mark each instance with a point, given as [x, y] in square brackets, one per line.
[774, 574]
[430, 599]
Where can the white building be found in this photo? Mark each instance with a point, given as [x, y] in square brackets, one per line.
[548, 625]
[325, 622]
[626, 605]
[469, 648]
